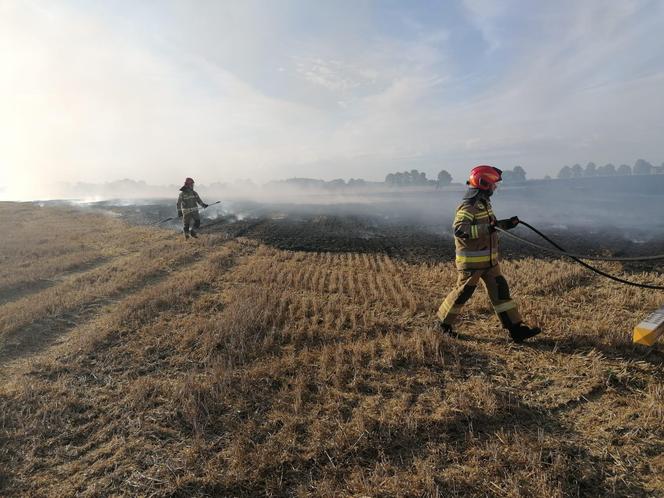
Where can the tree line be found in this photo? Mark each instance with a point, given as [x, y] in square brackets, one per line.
[415, 178]
[641, 167]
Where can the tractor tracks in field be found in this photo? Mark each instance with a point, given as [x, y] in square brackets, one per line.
[24, 344]
[15, 292]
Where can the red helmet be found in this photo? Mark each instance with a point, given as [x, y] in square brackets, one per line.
[189, 181]
[484, 177]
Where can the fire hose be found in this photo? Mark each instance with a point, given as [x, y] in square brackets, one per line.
[560, 251]
[173, 217]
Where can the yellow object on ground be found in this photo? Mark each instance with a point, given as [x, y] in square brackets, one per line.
[650, 329]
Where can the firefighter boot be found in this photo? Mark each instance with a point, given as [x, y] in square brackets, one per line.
[186, 234]
[520, 332]
[445, 328]
[193, 234]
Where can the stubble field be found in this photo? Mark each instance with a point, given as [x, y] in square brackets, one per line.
[135, 364]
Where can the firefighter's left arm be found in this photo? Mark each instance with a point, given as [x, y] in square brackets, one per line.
[179, 205]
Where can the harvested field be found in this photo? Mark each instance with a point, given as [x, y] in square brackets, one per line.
[294, 356]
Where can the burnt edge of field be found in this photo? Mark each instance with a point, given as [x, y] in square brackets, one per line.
[388, 228]
[421, 242]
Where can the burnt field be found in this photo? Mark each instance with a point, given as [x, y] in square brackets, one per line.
[417, 227]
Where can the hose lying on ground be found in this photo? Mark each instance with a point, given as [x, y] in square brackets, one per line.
[577, 257]
[173, 217]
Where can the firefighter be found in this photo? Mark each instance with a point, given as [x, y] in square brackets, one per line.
[477, 257]
[187, 206]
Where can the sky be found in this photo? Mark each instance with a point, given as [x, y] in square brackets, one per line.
[157, 90]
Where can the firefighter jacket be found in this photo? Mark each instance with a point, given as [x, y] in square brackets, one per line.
[188, 201]
[475, 238]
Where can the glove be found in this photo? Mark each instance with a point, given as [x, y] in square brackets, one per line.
[180, 215]
[205, 205]
[461, 234]
[508, 224]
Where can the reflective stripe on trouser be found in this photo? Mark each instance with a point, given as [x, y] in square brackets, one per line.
[188, 218]
[497, 288]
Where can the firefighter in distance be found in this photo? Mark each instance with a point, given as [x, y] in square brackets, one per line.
[187, 207]
[477, 257]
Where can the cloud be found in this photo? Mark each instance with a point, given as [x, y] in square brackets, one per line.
[81, 101]
[485, 15]
[222, 91]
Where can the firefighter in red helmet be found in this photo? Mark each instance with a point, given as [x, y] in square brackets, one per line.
[477, 257]
[187, 207]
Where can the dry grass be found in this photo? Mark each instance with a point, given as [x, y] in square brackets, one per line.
[229, 368]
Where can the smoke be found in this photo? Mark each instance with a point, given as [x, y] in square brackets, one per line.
[591, 208]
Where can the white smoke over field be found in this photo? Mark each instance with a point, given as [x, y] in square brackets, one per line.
[595, 209]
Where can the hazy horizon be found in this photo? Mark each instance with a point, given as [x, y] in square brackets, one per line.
[221, 91]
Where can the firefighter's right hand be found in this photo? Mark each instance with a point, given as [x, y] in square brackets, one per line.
[459, 233]
[179, 215]
[508, 223]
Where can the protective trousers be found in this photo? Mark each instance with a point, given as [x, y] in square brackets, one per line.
[496, 287]
[188, 218]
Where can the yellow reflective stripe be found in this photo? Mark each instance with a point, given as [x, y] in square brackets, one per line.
[474, 233]
[446, 309]
[484, 213]
[464, 215]
[499, 308]
[473, 259]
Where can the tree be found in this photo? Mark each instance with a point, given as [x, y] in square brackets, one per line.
[577, 171]
[519, 174]
[565, 172]
[642, 167]
[407, 178]
[444, 178]
[336, 183]
[624, 170]
[606, 170]
[591, 169]
[358, 182]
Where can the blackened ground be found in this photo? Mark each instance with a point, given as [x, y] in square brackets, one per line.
[427, 243]
[384, 228]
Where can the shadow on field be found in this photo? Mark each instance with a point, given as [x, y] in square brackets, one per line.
[584, 344]
[368, 416]
[16, 292]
